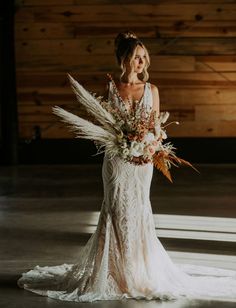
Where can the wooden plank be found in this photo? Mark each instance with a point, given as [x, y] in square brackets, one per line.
[230, 76]
[37, 30]
[204, 29]
[165, 63]
[46, 99]
[71, 47]
[67, 64]
[25, 31]
[31, 49]
[26, 3]
[215, 112]
[179, 113]
[146, 13]
[100, 64]
[38, 114]
[216, 63]
[184, 129]
[35, 114]
[194, 96]
[192, 46]
[162, 29]
[93, 2]
[34, 80]
[203, 128]
[41, 118]
[169, 96]
[47, 130]
[29, 112]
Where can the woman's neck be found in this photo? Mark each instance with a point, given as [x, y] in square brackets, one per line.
[131, 80]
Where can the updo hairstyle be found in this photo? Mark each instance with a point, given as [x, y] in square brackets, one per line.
[125, 47]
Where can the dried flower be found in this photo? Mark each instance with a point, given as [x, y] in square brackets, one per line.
[136, 135]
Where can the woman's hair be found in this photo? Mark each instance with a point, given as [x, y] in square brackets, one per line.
[125, 47]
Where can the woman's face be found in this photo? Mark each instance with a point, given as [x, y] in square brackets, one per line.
[139, 60]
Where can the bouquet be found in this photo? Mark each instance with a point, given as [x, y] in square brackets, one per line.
[135, 134]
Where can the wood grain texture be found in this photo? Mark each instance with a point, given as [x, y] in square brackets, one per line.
[192, 45]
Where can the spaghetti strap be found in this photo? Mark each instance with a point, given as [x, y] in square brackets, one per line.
[148, 97]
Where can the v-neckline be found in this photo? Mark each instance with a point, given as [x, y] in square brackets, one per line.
[124, 102]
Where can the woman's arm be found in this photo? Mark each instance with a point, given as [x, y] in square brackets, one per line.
[156, 99]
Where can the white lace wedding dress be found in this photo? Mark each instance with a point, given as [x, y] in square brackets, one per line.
[124, 258]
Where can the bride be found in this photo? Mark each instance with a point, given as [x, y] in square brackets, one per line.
[124, 258]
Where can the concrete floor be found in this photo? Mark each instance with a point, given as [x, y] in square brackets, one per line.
[47, 213]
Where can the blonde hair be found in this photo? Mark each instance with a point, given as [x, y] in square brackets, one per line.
[126, 44]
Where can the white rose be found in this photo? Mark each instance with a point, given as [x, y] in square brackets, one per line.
[136, 148]
[149, 137]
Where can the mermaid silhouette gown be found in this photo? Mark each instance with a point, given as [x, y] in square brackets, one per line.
[124, 258]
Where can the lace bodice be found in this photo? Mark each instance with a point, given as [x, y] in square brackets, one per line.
[146, 99]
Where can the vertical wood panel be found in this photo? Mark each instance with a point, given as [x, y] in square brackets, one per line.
[191, 43]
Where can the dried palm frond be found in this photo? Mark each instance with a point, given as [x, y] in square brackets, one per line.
[92, 105]
[83, 128]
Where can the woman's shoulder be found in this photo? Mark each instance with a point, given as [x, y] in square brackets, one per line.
[154, 89]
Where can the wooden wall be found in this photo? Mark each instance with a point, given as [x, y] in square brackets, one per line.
[192, 44]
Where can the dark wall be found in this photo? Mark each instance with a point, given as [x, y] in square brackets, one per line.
[8, 103]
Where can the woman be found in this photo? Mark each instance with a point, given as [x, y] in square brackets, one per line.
[124, 258]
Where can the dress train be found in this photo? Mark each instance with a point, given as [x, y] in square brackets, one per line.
[124, 258]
